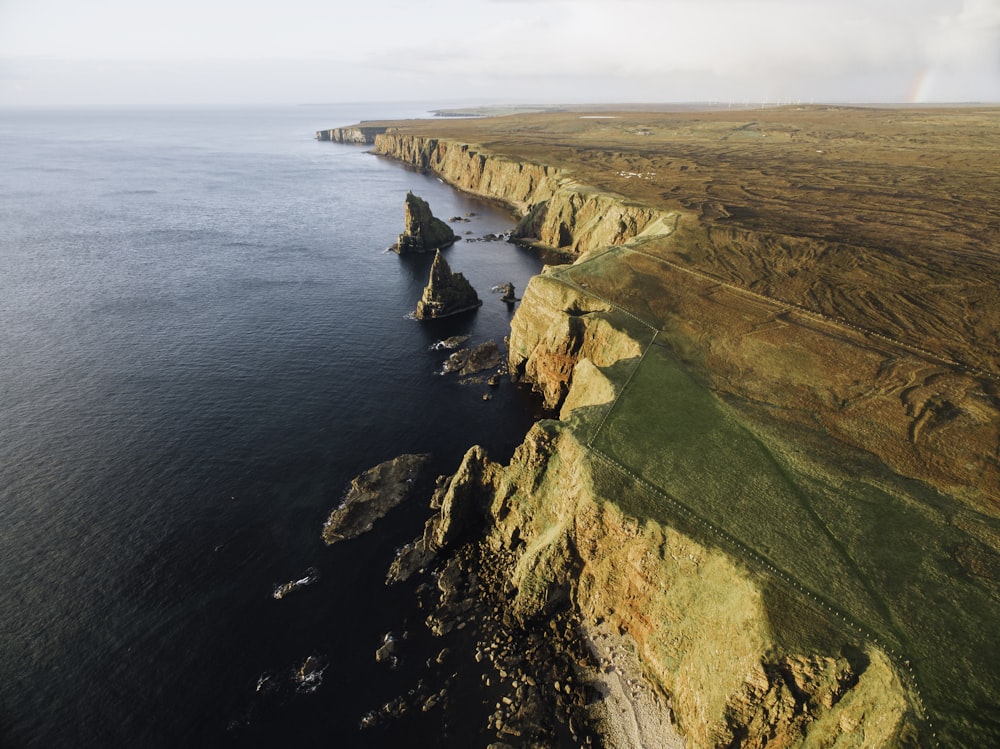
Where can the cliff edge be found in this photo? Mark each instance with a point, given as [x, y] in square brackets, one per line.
[356, 134]
[555, 210]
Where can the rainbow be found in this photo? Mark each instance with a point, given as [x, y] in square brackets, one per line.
[920, 87]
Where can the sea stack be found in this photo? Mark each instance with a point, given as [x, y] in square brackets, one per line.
[423, 232]
[446, 293]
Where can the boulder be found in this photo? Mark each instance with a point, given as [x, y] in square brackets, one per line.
[446, 293]
[423, 232]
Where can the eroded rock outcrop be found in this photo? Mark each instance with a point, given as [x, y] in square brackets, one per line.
[423, 232]
[556, 327]
[577, 221]
[506, 292]
[371, 495]
[461, 506]
[446, 293]
[696, 618]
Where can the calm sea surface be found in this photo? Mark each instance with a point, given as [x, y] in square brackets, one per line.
[202, 340]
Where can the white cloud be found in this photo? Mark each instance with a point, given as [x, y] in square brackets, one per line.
[972, 35]
[590, 49]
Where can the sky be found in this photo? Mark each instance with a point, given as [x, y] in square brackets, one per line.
[197, 52]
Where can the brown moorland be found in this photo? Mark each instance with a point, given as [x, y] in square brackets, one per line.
[885, 217]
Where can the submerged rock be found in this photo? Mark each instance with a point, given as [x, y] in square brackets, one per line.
[446, 293]
[311, 576]
[386, 653]
[423, 231]
[371, 495]
[309, 676]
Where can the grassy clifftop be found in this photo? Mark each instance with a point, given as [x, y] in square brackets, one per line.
[787, 391]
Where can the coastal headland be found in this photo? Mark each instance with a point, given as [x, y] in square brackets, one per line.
[774, 474]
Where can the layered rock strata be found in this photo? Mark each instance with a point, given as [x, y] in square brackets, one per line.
[446, 293]
[558, 212]
[728, 455]
[423, 232]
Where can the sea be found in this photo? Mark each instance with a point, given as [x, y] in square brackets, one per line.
[202, 340]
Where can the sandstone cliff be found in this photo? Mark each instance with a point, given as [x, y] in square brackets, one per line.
[359, 134]
[556, 211]
[916, 434]
[716, 440]
[706, 633]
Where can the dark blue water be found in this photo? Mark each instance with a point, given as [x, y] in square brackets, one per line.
[201, 341]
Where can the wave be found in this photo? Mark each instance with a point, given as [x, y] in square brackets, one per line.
[450, 343]
[311, 576]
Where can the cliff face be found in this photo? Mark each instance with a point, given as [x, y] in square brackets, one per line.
[699, 620]
[556, 328]
[358, 134]
[771, 457]
[518, 184]
[916, 434]
[556, 211]
[706, 627]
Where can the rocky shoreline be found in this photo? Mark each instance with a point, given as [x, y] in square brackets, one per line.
[555, 680]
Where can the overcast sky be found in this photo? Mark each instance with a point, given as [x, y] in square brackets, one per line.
[139, 52]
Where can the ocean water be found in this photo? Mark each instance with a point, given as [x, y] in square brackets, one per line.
[202, 339]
